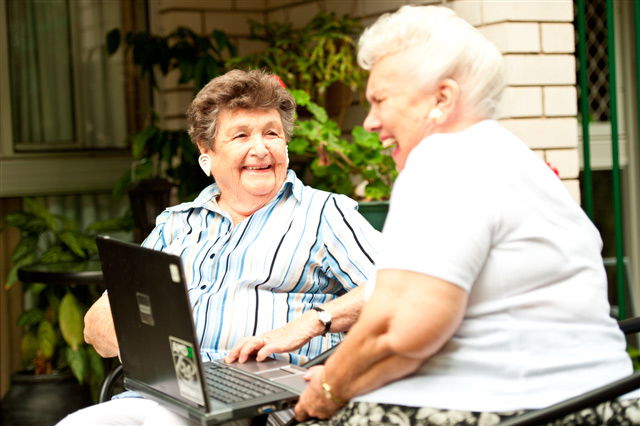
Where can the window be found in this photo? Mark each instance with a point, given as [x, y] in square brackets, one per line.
[70, 106]
[66, 93]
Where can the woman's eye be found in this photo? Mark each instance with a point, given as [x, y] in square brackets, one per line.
[239, 136]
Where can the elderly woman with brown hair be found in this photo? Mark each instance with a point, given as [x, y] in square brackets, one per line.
[272, 265]
[490, 297]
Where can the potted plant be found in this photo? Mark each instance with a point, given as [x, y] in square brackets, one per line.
[359, 166]
[163, 159]
[166, 158]
[197, 58]
[52, 322]
[319, 58]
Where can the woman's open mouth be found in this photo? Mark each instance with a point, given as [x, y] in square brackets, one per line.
[257, 168]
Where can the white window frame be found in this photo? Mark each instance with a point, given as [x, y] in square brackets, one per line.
[38, 173]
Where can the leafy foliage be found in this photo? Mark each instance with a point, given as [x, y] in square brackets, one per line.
[311, 58]
[53, 321]
[197, 58]
[168, 154]
[308, 60]
[360, 167]
[634, 354]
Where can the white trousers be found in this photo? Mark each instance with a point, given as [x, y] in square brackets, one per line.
[130, 412]
[144, 412]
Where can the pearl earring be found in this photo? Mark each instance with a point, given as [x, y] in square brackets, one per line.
[435, 114]
[205, 163]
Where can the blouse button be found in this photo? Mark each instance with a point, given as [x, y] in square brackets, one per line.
[203, 287]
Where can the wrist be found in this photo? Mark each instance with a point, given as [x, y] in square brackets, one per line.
[329, 392]
[314, 326]
[324, 318]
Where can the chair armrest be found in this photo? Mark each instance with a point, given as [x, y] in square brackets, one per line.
[631, 325]
[597, 396]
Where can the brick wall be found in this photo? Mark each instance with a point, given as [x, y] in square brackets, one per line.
[535, 36]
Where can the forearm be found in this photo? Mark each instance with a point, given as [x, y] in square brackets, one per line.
[293, 335]
[345, 310]
[365, 362]
[408, 319]
[99, 330]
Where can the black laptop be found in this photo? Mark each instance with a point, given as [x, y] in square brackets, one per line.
[159, 349]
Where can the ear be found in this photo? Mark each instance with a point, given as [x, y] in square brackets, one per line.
[202, 147]
[447, 98]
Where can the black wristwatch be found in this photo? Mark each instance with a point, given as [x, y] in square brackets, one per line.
[325, 319]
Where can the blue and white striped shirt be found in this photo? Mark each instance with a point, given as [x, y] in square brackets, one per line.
[304, 248]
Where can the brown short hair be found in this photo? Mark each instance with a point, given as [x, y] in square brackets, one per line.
[237, 89]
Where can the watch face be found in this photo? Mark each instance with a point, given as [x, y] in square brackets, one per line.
[324, 316]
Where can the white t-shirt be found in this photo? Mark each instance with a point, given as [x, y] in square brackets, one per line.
[479, 209]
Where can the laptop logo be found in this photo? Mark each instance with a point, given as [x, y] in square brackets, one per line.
[175, 272]
[187, 372]
[144, 307]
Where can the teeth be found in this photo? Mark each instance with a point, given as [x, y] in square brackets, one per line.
[388, 142]
[256, 168]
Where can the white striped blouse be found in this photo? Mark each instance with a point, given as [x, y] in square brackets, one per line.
[304, 248]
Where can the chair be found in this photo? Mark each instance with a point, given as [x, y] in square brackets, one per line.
[113, 384]
[592, 398]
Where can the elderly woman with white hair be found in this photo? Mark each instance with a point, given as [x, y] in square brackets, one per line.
[490, 297]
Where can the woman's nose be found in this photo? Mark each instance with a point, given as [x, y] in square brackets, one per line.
[371, 122]
[259, 146]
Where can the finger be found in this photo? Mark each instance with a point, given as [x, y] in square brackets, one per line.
[231, 356]
[235, 350]
[265, 352]
[233, 353]
[250, 348]
[300, 413]
[312, 371]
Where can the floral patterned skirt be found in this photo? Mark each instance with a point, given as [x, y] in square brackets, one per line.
[618, 412]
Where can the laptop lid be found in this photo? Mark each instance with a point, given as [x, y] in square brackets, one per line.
[153, 320]
[158, 345]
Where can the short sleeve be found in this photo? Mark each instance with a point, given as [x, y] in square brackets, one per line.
[350, 242]
[157, 239]
[440, 218]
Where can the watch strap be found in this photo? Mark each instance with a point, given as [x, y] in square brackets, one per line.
[327, 324]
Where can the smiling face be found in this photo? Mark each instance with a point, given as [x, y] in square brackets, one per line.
[399, 109]
[249, 159]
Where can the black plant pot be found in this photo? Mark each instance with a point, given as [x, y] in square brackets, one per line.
[42, 400]
[148, 199]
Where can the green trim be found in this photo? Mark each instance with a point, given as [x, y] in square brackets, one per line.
[615, 170]
[587, 186]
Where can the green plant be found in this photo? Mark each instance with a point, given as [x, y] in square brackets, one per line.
[164, 154]
[311, 58]
[52, 321]
[359, 167]
[168, 153]
[197, 58]
[634, 354]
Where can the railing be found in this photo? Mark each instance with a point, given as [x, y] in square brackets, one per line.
[587, 188]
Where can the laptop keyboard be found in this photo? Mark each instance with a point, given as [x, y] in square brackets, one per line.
[229, 386]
